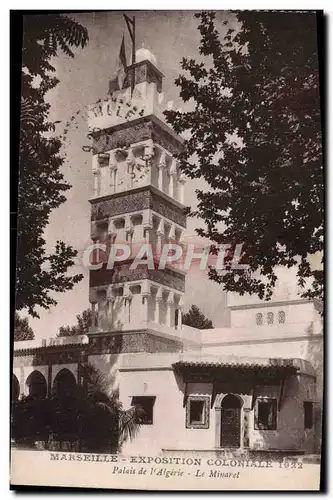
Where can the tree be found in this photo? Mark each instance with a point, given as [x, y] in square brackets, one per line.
[89, 418]
[41, 183]
[254, 136]
[81, 328]
[22, 330]
[195, 318]
[108, 417]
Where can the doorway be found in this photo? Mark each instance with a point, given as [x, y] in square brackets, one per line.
[231, 422]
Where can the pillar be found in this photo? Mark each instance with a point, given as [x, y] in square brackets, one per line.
[129, 230]
[145, 296]
[246, 427]
[147, 225]
[130, 160]
[128, 300]
[182, 182]
[97, 175]
[170, 303]
[180, 308]
[113, 165]
[158, 300]
[160, 235]
[160, 167]
[172, 173]
[110, 297]
[148, 156]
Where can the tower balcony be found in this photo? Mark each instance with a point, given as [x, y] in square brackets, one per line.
[135, 305]
[143, 163]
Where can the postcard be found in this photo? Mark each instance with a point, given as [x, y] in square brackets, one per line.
[168, 331]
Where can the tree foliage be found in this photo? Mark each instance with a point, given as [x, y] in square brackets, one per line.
[254, 135]
[90, 418]
[22, 330]
[81, 328]
[195, 318]
[41, 183]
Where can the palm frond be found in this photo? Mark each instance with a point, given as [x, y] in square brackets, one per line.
[128, 424]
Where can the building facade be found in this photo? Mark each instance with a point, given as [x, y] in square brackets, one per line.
[256, 385]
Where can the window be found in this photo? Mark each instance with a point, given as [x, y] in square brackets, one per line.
[282, 316]
[197, 412]
[259, 319]
[135, 289]
[270, 318]
[145, 407]
[265, 415]
[308, 414]
[119, 224]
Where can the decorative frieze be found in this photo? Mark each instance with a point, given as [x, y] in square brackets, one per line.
[142, 198]
[131, 342]
[121, 273]
[140, 129]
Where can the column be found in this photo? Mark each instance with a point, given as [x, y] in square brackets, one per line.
[180, 308]
[130, 160]
[172, 233]
[128, 300]
[111, 230]
[182, 182]
[113, 165]
[160, 235]
[246, 427]
[129, 230]
[218, 426]
[160, 167]
[97, 174]
[158, 300]
[172, 173]
[110, 297]
[170, 303]
[145, 295]
[148, 156]
[147, 225]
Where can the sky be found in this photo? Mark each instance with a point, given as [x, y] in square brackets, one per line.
[170, 35]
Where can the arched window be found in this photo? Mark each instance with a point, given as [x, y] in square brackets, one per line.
[259, 318]
[15, 388]
[37, 385]
[270, 318]
[282, 317]
[64, 384]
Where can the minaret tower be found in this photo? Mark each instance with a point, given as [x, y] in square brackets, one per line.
[138, 198]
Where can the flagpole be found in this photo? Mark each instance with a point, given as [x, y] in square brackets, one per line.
[130, 23]
[133, 42]
[133, 57]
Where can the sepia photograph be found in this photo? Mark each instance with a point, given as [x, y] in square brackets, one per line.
[168, 325]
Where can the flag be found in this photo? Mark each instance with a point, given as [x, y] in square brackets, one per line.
[121, 65]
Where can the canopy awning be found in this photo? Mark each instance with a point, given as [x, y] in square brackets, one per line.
[242, 371]
[218, 364]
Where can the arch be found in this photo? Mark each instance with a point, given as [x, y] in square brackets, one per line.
[231, 421]
[15, 388]
[37, 385]
[64, 384]
[232, 401]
